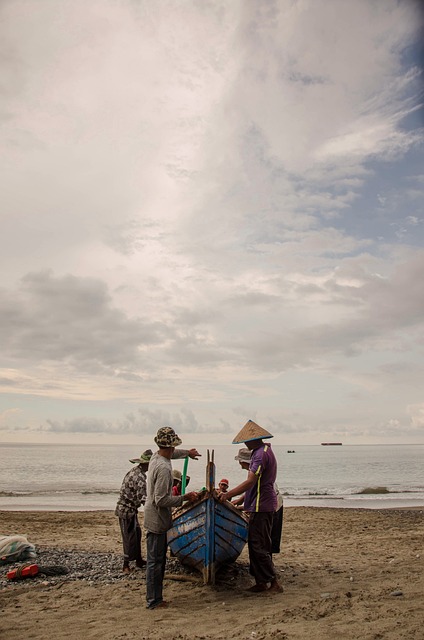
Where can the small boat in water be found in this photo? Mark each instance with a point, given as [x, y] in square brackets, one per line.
[208, 533]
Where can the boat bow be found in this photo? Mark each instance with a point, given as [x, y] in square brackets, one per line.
[208, 533]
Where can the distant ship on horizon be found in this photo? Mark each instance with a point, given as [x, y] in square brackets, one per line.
[331, 444]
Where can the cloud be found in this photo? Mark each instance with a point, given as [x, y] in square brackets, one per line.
[79, 425]
[70, 319]
[357, 93]
[416, 413]
[10, 419]
[267, 324]
[202, 201]
[216, 132]
[143, 421]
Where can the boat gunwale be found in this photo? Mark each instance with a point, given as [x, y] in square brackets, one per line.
[206, 495]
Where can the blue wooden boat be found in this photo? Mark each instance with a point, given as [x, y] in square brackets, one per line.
[208, 533]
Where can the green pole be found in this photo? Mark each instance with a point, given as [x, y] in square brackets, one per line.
[183, 482]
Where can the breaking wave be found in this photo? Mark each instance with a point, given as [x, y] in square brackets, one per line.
[353, 491]
[58, 492]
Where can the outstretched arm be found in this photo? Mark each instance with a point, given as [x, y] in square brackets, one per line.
[241, 488]
[186, 453]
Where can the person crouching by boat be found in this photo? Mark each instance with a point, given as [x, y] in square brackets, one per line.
[223, 485]
[177, 482]
[158, 510]
[131, 496]
[260, 501]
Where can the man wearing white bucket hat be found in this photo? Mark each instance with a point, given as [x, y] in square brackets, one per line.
[260, 502]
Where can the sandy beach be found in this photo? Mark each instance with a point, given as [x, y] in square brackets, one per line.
[346, 574]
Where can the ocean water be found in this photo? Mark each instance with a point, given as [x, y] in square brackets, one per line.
[88, 477]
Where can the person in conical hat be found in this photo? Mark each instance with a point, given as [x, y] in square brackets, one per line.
[260, 501]
[250, 432]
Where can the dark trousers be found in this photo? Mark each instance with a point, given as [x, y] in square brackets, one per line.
[259, 543]
[277, 528]
[131, 538]
[155, 569]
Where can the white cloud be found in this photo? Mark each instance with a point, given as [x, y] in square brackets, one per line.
[10, 418]
[416, 413]
[193, 196]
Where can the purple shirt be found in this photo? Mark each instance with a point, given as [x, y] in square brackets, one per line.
[262, 496]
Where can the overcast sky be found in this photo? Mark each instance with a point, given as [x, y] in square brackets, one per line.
[211, 211]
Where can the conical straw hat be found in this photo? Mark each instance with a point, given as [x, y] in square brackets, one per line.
[251, 431]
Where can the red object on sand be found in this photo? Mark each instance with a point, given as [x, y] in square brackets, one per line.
[27, 571]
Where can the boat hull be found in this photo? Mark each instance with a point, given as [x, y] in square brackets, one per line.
[207, 535]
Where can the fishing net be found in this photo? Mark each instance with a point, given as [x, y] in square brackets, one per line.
[16, 549]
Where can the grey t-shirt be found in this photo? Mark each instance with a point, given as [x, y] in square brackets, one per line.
[159, 502]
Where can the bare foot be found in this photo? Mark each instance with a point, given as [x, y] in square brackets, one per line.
[257, 588]
[126, 569]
